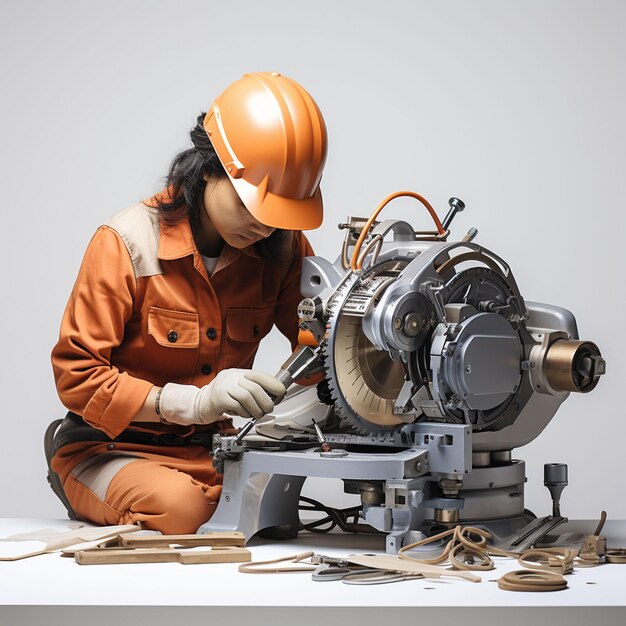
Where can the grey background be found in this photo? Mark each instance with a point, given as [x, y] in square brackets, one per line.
[515, 107]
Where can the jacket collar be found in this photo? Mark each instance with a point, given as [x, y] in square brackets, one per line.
[176, 240]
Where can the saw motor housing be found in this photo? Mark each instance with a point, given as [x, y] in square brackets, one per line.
[439, 332]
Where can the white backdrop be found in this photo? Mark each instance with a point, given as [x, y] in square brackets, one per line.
[515, 107]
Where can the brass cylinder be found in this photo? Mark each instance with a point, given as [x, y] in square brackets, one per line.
[563, 362]
[446, 516]
[371, 494]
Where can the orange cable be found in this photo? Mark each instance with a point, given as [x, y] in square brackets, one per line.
[354, 265]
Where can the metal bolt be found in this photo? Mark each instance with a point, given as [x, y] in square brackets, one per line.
[397, 323]
[412, 324]
[468, 369]
[418, 466]
[227, 498]
[456, 206]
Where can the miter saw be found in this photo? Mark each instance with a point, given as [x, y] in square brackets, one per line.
[434, 369]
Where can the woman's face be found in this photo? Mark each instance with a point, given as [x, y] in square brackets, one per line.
[228, 215]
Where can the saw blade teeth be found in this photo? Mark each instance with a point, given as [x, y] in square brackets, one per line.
[347, 414]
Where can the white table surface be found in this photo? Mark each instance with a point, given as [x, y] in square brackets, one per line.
[33, 587]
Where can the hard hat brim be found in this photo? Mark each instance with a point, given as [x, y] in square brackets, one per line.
[277, 211]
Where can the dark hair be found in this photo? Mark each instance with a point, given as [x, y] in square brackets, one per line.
[185, 183]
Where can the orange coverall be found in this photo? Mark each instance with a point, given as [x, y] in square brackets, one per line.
[144, 312]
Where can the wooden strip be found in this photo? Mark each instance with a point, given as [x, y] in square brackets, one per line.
[217, 555]
[236, 539]
[109, 556]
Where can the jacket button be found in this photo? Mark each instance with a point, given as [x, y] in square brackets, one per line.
[211, 333]
[206, 369]
[111, 446]
[256, 331]
[172, 336]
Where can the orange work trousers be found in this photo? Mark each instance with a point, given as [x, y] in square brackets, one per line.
[174, 493]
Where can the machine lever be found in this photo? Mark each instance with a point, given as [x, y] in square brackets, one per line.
[555, 479]
[456, 206]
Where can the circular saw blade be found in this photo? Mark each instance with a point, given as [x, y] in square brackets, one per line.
[364, 382]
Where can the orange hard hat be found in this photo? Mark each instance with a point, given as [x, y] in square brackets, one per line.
[270, 137]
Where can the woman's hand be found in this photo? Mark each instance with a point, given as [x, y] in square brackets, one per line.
[247, 393]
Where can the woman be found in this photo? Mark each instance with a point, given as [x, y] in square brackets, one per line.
[172, 298]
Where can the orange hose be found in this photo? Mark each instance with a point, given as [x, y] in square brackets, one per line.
[354, 264]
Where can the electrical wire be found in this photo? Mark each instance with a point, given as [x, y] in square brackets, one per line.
[377, 241]
[334, 518]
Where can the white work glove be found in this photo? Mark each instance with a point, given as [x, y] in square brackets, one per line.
[247, 393]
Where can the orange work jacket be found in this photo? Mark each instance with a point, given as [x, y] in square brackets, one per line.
[144, 312]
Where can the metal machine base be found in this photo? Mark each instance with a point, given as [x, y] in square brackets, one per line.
[262, 488]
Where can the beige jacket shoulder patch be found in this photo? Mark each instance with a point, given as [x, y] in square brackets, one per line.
[138, 226]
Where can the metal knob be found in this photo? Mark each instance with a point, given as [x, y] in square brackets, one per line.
[456, 206]
[555, 479]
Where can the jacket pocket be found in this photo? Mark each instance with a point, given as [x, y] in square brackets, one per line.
[174, 329]
[249, 325]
